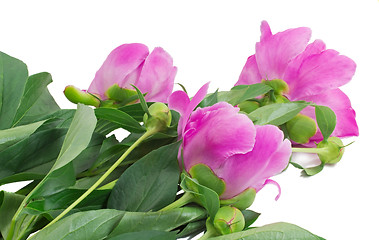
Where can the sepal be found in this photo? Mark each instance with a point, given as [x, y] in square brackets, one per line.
[242, 200]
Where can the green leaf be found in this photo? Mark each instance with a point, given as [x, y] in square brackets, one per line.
[146, 235]
[88, 225]
[313, 170]
[9, 203]
[59, 119]
[62, 174]
[309, 171]
[275, 231]
[161, 221]
[250, 217]
[32, 157]
[78, 136]
[209, 100]
[135, 111]
[150, 183]
[192, 229]
[206, 197]
[120, 118]
[242, 93]
[11, 136]
[13, 77]
[36, 100]
[326, 120]
[142, 100]
[276, 114]
[63, 199]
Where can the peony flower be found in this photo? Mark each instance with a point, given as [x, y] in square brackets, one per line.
[131, 64]
[242, 155]
[312, 72]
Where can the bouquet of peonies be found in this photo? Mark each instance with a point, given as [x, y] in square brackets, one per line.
[188, 165]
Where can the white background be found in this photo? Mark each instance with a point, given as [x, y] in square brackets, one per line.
[210, 41]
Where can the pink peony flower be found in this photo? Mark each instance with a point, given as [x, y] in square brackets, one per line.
[128, 64]
[241, 154]
[312, 72]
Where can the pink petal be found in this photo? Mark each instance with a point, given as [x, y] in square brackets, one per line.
[269, 157]
[178, 101]
[215, 133]
[293, 67]
[319, 72]
[124, 63]
[199, 96]
[274, 52]
[338, 101]
[270, 181]
[250, 73]
[265, 31]
[157, 76]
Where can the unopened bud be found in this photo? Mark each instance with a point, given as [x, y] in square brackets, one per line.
[332, 150]
[229, 220]
[278, 85]
[76, 96]
[248, 106]
[160, 117]
[301, 128]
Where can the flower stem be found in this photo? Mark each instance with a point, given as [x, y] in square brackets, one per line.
[308, 150]
[106, 174]
[207, 235]
[210, 232]
[183, 200]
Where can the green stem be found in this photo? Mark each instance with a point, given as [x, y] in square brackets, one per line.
[211, 231]
[91, 173]
[308, 150]
[206, 235]
[13, 222]
[106, 174]
[26, 230]
[183, 200]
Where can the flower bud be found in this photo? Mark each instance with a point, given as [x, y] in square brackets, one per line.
[160, 117]
[229, 220]
[75, 95]
[332, 150]
[278, 85]
[248, 106]
[301, 128]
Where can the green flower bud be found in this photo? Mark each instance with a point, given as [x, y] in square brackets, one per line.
[332, 150]
[160, 117]
[301, 128]
[229, 220]
[248, 106]
[242, 200]
[76, 96]
[278, 85]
